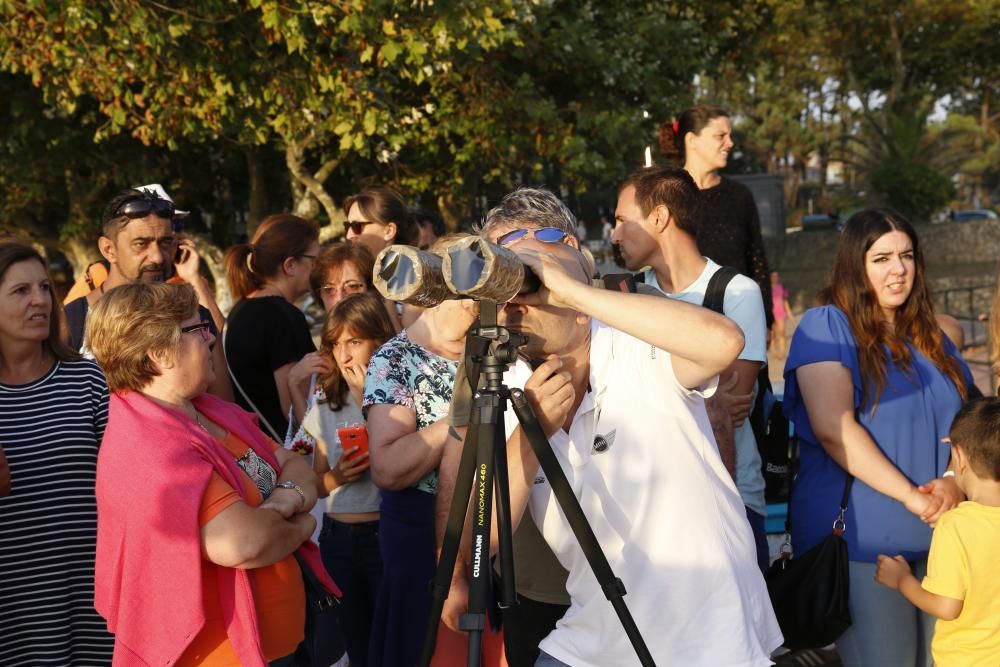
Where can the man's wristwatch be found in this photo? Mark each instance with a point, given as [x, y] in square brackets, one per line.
[294, 487]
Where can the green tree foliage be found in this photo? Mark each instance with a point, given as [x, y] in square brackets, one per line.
[326, 80]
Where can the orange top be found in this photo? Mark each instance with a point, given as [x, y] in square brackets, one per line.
[279, 596]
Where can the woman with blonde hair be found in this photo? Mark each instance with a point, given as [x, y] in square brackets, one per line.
[201, 514]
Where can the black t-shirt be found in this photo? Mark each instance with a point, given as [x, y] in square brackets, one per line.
[262, 335]
[728, 233]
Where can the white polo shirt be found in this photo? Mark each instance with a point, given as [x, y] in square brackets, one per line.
[742, 303]
[641, 459]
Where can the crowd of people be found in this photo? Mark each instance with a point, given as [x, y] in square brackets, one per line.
[178, 484]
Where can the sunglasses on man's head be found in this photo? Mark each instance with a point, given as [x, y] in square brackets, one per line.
[140, 208]
[544, 234]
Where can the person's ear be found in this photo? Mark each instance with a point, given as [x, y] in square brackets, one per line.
[108, 249]
[959, 457]
[572, 241]
[162, 359]
[389, 234]
[288, 266]
[662, 219]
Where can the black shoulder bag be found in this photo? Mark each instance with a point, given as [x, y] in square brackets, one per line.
[323, 644]
[809, 592]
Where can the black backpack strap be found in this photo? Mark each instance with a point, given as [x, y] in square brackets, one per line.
[715, 294]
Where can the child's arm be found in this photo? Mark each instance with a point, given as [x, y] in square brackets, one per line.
[895, 573]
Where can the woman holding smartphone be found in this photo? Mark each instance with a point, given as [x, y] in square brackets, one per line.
[356, 327]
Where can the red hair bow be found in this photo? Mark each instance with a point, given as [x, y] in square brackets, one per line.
[676, 126]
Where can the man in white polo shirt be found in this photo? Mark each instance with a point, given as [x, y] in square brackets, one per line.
[622, 402]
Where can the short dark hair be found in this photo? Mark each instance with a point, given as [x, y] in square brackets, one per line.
[976, 429]
[112, 222]
[666, 186]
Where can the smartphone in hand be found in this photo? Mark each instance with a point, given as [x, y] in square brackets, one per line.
[354, 436]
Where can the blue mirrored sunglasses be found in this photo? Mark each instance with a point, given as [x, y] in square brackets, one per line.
[544, 234]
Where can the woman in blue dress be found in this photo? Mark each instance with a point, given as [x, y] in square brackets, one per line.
[872, 385]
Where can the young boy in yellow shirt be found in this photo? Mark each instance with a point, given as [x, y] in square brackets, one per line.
[962, 586]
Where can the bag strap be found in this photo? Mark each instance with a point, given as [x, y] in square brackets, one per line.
[315, 593]
[839, 526]
[715, 293]
[239, 388]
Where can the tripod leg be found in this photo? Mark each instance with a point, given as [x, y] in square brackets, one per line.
[612, 586]
[474, 622]
[452, 541]
[508, 594]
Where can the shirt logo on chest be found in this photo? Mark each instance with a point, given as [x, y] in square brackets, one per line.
[602, 443]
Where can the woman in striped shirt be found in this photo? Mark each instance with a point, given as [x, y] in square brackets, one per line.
[53, 408]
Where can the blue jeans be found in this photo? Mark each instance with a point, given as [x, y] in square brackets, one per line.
[546, 660]
[885, 629]
[351, 555]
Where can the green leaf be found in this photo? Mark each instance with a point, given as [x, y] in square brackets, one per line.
[390, 51]
[369, 122]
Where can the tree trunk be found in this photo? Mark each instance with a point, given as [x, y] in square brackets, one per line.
[257, 209]
[315, 193]
[81, 253]
[449, 212]
[213, 257]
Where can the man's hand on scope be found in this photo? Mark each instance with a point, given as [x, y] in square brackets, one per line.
[551, 394]
[560, 270]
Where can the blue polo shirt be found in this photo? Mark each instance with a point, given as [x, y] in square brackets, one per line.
[914, 413]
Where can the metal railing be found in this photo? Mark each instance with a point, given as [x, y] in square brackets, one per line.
[970, 305]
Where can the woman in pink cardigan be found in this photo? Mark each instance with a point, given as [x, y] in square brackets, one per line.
[199, 513]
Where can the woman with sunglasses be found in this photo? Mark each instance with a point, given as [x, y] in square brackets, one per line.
[378, 218]
[201, 514]
[266, 334]
[53, 410]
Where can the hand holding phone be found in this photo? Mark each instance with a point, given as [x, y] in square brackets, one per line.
[354, 436]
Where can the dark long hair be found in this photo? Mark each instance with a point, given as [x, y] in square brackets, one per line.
[14, 252]
[914, 322]
[672, 132]
[364, 314]
[280, 236]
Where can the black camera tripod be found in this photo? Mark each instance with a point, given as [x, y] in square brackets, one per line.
[489, 350]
